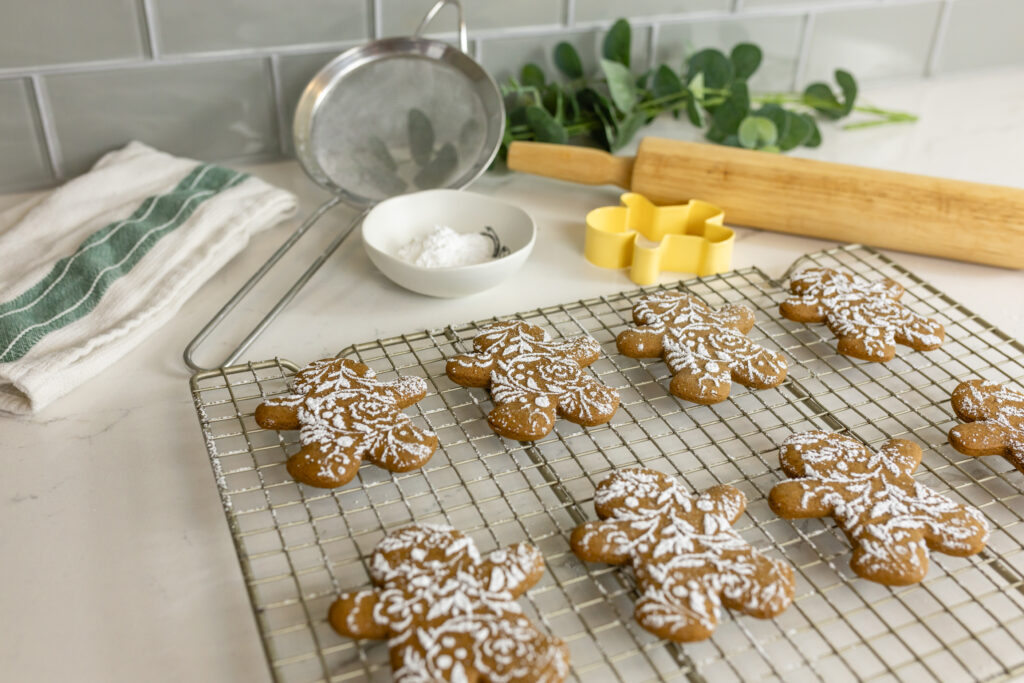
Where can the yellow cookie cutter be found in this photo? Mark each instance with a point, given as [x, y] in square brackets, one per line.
[687, 237]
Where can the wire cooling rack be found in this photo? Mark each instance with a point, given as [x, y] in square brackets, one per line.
[300, 546]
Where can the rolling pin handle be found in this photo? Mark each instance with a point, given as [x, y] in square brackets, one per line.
[569, 162]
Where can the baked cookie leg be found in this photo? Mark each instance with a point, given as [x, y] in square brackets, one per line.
[530, 417]
[404, 447]
[690, 616]
[589, 404]
[325, 465]
[697, 379]
[352, 615]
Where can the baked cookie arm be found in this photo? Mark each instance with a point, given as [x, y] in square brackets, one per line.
[278, 413]
[405, 391]
[470, 369]
[919, 332]
[514, 569]
[723, 500]
[735, 316]
[641, 342]
[980, 438]
[803, 309]
[352, 615]
[403, 447]
[605, 541]
[799, 499]
[691, 616]
[583, 350]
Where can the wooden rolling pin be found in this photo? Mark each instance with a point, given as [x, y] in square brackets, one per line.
[923, 215]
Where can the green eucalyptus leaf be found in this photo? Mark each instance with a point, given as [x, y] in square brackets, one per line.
[745, 58]
[666, 83]
[814, 139]
[516, 117]
[532, 76]
[545, 128]
[756, 132]
[849, 88]
[627, 128]
[774, 149]
[440, 168]
[795, 132]
[726, 118]
[694, 113]
[823, 100]
[616, 43]
[620, 85]
[696, 86]
[568, 60]
[716, 67]
[641, 80]
[421, 136]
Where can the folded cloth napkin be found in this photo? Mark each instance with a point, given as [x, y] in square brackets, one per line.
[90, 270]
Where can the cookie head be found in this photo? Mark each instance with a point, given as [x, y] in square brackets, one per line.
[422, 552]
[994, 417]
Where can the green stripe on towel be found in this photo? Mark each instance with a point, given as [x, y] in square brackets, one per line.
[75, 285]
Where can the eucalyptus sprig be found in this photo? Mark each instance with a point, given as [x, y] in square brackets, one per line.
[711, 91]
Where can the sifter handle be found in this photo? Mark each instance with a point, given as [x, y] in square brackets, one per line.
[438, 6]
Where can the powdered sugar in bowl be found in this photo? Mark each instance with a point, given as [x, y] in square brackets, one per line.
[418, 228]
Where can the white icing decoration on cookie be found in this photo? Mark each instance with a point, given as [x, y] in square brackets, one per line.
[868, 311]
[887, 513]
[348, 415]
[445, 608]
[704, 342]
[536, 376]
[684, 551]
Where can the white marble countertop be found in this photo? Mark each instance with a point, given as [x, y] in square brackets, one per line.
[117, 562]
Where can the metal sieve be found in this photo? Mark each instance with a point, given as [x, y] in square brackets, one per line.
[394, 116]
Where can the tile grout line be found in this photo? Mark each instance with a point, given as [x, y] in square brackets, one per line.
[43, 110]
[149, 26]
[939, 39]
[800, 72]
[737, 5]
[570, 13]
[274, 67]
[652, 46]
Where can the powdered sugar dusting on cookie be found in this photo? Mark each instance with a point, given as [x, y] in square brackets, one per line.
[450, 615]
[995, 414]
[705, 349]
[346, 414]
[532, 379]
[890, 518]
[866, 316]
[687, 558]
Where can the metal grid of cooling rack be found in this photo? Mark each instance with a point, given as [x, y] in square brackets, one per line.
[300, 546]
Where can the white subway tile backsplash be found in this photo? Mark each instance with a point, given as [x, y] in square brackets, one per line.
[504, 57]
[401, 17]
[35, 33]
[778, 37]
[185, 26]
[591, 10]
[23, 162]
[887, 41]
[983, 33]
[219, 79]
[212, 111]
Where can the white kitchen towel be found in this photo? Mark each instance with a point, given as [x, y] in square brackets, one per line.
[90, 270]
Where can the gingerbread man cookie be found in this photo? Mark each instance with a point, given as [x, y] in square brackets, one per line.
[449, 615]
[532, 379]
[706, 349]
[867, 317]
[687, 558]
[995, 421]
[891, 519]
[344, 414]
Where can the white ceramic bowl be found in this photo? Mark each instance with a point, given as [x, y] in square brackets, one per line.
[393, 222]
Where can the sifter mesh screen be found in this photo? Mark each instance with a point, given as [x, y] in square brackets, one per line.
[399, 124]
